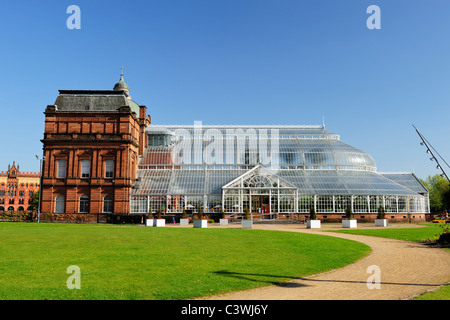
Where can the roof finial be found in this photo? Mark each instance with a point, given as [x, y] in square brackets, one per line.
[323, 122]
[121, 73]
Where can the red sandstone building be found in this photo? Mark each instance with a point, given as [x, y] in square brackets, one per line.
[91, 146]
[17, 189]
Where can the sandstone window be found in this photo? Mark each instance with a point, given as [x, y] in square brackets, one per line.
[109, 168]
[107, 204]
[85, 166]
[59, 204]
[84, 204]
[61, 169]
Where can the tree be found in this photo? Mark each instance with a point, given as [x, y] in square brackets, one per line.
[312, 214]
[200, 212]
[246, 213]
[438, 192]
[381, 213]
[35, 203]
[349, 212]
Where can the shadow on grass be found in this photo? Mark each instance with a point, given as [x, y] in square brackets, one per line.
[288, 284]
[261, 278]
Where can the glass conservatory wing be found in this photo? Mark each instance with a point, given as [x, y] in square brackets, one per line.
[155, 182]
[216, 179]
[315, 182]
[329, 182]
[187, 182]
[367, 183]
[408, 180]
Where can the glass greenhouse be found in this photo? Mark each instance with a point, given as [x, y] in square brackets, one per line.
[271, 170]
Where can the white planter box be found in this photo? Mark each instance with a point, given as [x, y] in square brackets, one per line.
[200, 223]
[381, 222]
[149, 223]
[247, 224]
[313, 224]
[349, 223]
[159, 222]
[223, 222]
[184, 222]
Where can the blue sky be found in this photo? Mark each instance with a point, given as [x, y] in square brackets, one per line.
[239, 62]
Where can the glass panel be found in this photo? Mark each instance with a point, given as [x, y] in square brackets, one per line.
[84, 204]
[61, 169]
[109, 168]
[59, 204]
[85, 166]
[107, 204]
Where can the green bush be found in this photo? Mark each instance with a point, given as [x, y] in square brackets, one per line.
[381, 213]
[312, 214]
[200, 212]
[349, 212]
[246, 213]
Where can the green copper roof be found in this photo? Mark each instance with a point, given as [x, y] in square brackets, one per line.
[121, 84]
[91, 100]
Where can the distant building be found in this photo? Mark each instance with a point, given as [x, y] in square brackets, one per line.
[17, 189]
[92, 142]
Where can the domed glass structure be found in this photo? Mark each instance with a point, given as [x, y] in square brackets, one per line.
[271, 170]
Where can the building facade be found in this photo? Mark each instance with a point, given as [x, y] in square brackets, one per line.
[18, 189]
[103, 156]
[91, 145]
[274, 171]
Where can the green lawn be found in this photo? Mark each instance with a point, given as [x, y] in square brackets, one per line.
[133, 262]
[431, 231]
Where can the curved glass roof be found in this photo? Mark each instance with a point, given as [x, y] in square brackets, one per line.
[281, 147]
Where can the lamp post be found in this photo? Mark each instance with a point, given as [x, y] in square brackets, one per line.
[40, 185]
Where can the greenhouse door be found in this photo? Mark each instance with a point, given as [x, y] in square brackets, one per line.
[265, 204]
[261, 204]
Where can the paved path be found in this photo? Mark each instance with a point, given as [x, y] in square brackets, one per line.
[407, 269]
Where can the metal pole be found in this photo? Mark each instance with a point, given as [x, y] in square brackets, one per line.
[40, 187]
[424, 141]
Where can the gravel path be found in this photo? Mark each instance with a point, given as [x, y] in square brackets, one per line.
[406, 269]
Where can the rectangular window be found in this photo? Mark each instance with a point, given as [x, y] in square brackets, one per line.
[85, 166]
[61, 169]
[109, 168]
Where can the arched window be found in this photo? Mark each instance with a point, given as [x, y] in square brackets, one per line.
[59, 204]
[84, 204]
[107, 204]
[20, 209]
[2, 208]
[11, 209]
